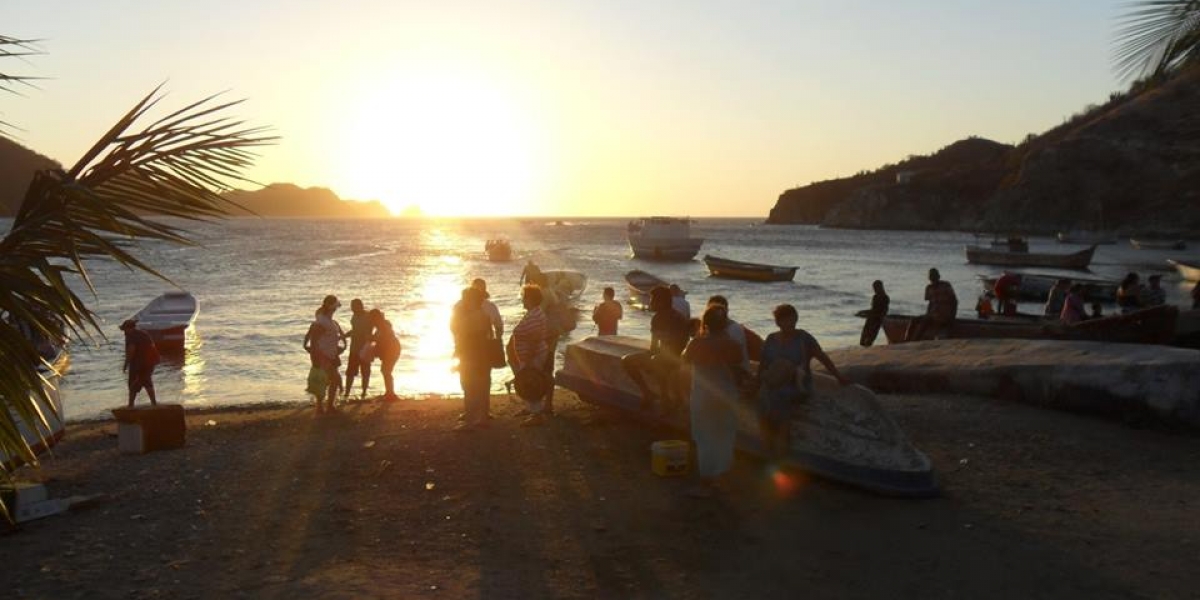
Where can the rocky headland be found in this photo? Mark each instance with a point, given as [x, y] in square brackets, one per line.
[1131, 165]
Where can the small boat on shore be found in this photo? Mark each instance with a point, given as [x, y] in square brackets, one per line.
[640, 283]
[498, 250]
[663, 238]
[1158, 244]
[1086, 238]
[736, 269]
[1154, 325]
[167, 319]
[981, 255]
[41, 436]
[567, 285]
[1188, 271]
[1035, 287]
[841, 433]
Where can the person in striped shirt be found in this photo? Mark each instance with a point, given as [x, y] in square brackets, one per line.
[531, 346]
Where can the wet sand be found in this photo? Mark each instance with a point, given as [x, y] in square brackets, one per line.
[383, 501]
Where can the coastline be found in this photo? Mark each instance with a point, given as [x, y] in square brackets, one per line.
[271, 501]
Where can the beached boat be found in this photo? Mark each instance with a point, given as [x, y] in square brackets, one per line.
[1154, 325]
[663, 238]
[736, 269]
[1086, 238]
[498, 250]
[1158, 244]
[988, 256]
[167, 319]
[41, 436]
[841, 434]
[640, 283]
[1035, 287]
[1189, 271]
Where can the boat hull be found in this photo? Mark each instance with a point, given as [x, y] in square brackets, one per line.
[167, 319]
[1150, 326]
[1187, 271]
[1158, 244]
[640, 283]
[733, 269]
[1085, 238]
[1036, 288]
[842, 434]
[986, 256]
[664, 249]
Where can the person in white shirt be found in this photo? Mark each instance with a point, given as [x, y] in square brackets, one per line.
[490, 309]
[679, 301]
[734, 330]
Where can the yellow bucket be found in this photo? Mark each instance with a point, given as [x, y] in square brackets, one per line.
[669, 458]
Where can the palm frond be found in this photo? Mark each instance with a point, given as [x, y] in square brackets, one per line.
[1155, 37]
[176, 166]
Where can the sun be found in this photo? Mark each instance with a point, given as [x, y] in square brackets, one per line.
[447, 143]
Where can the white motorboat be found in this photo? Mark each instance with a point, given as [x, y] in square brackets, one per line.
[1189, 271]
[663, 238]
[167, 319]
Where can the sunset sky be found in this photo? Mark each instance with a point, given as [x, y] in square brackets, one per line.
[570, 108]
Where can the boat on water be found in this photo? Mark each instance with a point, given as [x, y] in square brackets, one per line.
[1086, 238]
[498, 250]
[663, 238]
[981, 255]
[1035, 287]
[1158, 244]
[1155, 325]
[736, 269]
[167, 319]
[38, 434]
[640, 283]
[1189, 271]
[567, 285]
[842, 434]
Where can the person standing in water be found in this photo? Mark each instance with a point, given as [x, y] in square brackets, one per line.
[472, 329]
[362, 330]
[387, 348]
[608, 313]
[325, 342]
[879, 309]
[141, 356]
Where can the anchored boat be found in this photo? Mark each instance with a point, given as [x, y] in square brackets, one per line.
[663, 238]
[498, 250]
[1189, 271]
[842, 434]
[1154, 325]
[1158, 244]
[736, 269]
[981, 255]
[1036, 286]
[640, 283]
[167, 319]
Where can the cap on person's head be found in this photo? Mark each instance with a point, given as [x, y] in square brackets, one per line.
[480, 285]
[356, 304]
[330, 301]
[129, 324]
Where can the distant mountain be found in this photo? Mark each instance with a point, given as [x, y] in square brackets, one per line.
[17, 166]
[287, 200]
[1131, 165]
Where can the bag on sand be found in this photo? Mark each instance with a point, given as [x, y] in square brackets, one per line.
[318, 382]
[496, 353]
[532, 384]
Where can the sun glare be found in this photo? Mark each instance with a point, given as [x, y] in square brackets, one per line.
[448, 144]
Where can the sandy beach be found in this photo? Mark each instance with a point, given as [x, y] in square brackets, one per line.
[384, 501]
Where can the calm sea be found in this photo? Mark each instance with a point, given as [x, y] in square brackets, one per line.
[258, 282]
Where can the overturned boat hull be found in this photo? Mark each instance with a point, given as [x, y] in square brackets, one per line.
[843, 434]
[1155, 325]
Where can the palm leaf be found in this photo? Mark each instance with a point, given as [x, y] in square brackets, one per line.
[1155, 37]
[99, 208]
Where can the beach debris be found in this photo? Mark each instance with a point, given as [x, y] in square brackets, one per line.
[138, 517]
[369, 444]
[429, 485]
[383, 466]
[210, 423]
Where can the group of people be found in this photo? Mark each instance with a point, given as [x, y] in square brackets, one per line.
[371, 336]
[707, 365]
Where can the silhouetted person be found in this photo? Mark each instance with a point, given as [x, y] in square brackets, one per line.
[141, 356]
[532, 341]
[1007, 287]
[531, 274]
[679, 301]
[489, 307]
[983, 306]
[362, 329]
[1097, 311]
[387, 348]
[1073, 308]
[325, 343]
[879, 309]
[1129, 294]
[608, 313]
[669, 334]
[472, 331]
[940, 312]
[1154, 294]
[1056, 297]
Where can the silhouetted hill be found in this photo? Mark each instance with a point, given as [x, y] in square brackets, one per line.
[17, 166]
[1131, 165]
[287, 200]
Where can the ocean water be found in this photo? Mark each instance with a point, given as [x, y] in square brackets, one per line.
[258, 282]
